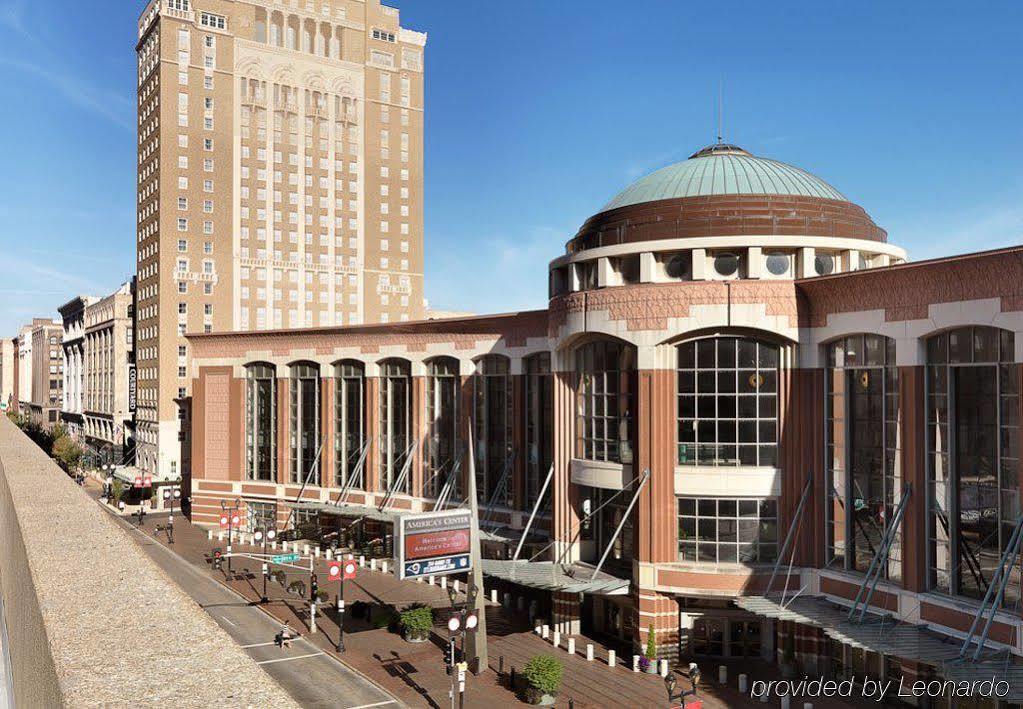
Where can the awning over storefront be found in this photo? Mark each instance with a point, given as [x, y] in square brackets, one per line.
[886, 636]
[347, 510]
[549, 576]
[506, 535]
[128, 473]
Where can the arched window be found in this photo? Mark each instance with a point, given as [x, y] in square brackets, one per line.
[442, 386]
[260, 422]
[395, 421]
[605, 386]
[862, 437]
[305, 423]
[973, 458]
[349, 421]
[728, 402]
[539, 423]
[492, 430]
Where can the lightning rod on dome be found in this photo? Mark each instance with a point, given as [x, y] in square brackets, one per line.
[721, 108]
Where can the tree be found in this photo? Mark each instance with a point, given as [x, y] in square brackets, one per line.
[67, 452]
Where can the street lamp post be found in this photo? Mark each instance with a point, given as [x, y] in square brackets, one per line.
[464, 621]
[171, 496]
[267, 536]
[232, 521]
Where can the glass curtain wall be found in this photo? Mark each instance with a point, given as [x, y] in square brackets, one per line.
[260, 422]
[539, 410]
[305, 423]
[863, 463]
[349, 421]
[492, 428]
[605, 392]
[973, 459]
[442, 388]
[395, 422]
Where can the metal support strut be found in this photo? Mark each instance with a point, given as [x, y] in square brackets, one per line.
[790, 535]
[1001, 580]
[877, 564]
[625, 517]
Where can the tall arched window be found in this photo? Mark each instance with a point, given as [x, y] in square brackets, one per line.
[395, 423]
[305, 423]
[605, 386]
[862, 436]
[442, 386]
[539, 423]
[260, 422]
[973, 458]
[349, 420]
[728, 402]
[492, 428]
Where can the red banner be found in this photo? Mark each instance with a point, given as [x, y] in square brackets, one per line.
[438, 543]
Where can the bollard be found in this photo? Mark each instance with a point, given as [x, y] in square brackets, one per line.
[786, 702]
[493, 595]
[273, 545]
[351, 557]
[611, 658]
[507, 600]
[362, 561]
[571, 703]
[589, 652]
[500, 665]
[664, 668]
[383, 567]
[444, 582]
[557, 638]
[743, 683]
[220, 536]
[373, 564]
[456, 586]
[305, 549]
[419, 579]
[571, 646]
[722, 674]
[538, 629]
[312, 617]
[431, 580]
[316, 552]
[546, 632]
[635, 663]
[209, 534]
[511, 678]
[328, 554]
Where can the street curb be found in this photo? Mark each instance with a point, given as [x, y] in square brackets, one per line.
[331, 654]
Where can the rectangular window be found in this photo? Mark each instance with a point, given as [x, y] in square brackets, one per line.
[727, 530]
[606, 374]
[208, 19]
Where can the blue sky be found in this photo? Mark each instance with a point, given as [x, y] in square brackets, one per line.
[539, 111]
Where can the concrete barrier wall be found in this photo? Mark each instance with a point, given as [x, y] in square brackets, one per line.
[91, 619]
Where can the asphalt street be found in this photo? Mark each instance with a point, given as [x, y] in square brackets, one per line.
[312, 677]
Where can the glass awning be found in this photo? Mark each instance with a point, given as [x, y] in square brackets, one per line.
[347, 510]
[549, 576]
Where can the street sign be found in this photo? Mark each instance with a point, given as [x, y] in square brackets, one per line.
[334, 571]
[147, 481]
[223, 521]
[235, 519]
[434, 543]
[138, 481]
[349, 570]
[285, 558]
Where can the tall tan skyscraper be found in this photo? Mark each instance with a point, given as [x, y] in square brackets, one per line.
[280, 181]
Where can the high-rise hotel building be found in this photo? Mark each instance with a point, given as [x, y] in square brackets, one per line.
[280, 182]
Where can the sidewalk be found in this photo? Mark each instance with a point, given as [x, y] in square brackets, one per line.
[414, 672]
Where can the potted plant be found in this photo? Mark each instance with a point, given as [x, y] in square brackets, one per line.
[542, 679]
[117, 492]
[416, 622]
[648, 663]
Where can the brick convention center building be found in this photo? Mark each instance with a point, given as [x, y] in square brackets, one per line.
[742, 410]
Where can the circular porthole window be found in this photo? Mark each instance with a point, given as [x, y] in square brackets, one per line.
[777, 264]
[677, 266]
[726, 264]
[824, 264]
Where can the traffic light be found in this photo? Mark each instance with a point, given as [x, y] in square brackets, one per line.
[314, 587]
[449, 656]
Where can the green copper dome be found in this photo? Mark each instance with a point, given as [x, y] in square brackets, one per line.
[723, 169]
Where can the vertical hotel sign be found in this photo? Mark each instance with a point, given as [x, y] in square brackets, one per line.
[132, 387]
[434, 543]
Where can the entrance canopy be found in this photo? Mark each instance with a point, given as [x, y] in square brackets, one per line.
[128, 473]
[549, 576]
[347, 510]
[884, 635]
